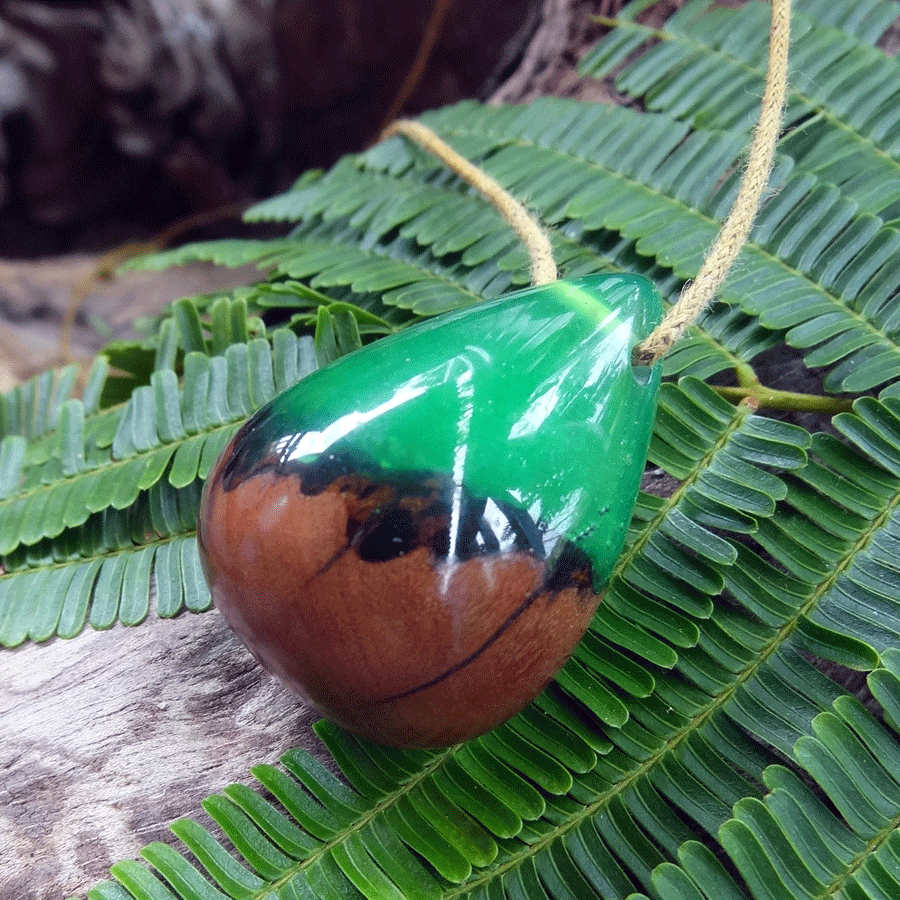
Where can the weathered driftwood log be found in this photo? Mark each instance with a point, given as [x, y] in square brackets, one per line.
[106, 738]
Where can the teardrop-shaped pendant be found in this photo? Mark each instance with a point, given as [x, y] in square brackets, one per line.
[412, 538]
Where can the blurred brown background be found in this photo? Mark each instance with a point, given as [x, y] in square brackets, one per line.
[116, 117]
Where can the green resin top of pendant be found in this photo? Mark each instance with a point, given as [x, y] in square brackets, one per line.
[530, 400]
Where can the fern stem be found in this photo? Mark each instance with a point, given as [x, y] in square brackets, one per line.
[770, 398]
[735, 230]
[537, 244]
[746, 375]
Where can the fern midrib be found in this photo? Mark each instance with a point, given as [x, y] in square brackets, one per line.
[44, 447]
[822, 111]
[116, 463]
[717, 702]
[733, 361]
[157, 541]
[49, 436]
[406, 788]
[603, 259]
[839, 304]
[353, 241]
[872, 846]
[742, 410]
[737, 363]
[426, 273]
[861, 543]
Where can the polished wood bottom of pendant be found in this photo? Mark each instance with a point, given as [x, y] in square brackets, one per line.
[400, 606]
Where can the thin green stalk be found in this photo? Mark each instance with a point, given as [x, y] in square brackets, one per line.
[770, 398]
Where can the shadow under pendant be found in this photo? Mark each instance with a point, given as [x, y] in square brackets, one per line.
[414, 538]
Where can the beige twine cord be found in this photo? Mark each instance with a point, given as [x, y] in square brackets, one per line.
[730, 240]
[540, 253]
[732, 236]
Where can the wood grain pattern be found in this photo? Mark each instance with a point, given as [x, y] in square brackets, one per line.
[387, 600]
[107, 738]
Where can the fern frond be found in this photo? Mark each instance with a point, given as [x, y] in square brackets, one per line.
[860, 598]
[115, 454]
[32, 408]
[650, 180]
[373, 219]
[107, 570]
[516, 809]
[705, 67]
[421, 824]
[224, 252]
[115, 512]
[843, 306]
[790, 844]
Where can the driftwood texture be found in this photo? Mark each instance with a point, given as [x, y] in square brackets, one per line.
[106, 738]
[36, 297]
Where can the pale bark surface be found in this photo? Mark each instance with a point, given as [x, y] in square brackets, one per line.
[36, 295]
[106, 738]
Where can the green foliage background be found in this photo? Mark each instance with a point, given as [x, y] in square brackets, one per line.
[690, 749]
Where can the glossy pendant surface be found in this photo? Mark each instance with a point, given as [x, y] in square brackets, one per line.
[413, 537]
